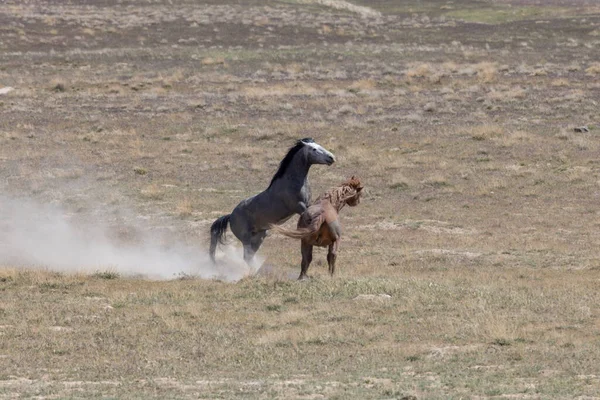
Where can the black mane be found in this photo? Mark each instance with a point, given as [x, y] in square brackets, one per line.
[288, 158]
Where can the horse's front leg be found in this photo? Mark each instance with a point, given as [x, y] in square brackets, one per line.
[332, 255]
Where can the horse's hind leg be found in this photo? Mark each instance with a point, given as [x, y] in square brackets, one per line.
[332, 255]
[307, 252]
[252, 246]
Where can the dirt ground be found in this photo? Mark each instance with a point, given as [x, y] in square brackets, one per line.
[470, 270]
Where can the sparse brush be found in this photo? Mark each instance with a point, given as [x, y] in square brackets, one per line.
[213, 61]
[362, 85]
[560, 82]
[436, 181]
[58, 85]
[593, 69]
[513, 93]
[152, 192]
[484, 132]
[487, 72]
[184, 208]
[106, 275]
[496, 277]
[346, 109]
[400, 185]
[419, 71]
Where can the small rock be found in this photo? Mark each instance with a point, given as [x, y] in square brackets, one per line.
[582, 129]
[429, 107]
[6, 90]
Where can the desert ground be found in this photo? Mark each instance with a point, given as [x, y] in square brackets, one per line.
[471, 269]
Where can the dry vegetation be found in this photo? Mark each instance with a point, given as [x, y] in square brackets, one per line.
[470, 270]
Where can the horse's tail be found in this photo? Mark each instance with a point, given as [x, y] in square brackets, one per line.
[299, 233]
[217, 231]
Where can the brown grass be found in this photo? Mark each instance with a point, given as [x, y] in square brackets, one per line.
[487, 72]
[419, 71]
[500, 324]
[479, 218]
[593, 69]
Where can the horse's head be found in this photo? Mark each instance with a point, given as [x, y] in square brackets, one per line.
[315, 153]
[305, 151]
[354, 191]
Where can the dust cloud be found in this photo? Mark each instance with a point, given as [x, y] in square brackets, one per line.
[36, 235]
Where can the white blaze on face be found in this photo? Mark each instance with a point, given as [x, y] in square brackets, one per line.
[320, 149]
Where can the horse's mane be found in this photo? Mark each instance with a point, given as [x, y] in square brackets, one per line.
[288, 158]
[340, 194]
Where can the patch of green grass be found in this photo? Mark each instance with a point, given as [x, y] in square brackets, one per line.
[497, 15]
[501, 342]
[106, 275]
[228, 130]
[58, 285]
[399, 186]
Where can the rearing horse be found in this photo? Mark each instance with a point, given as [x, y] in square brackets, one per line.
[288, 194]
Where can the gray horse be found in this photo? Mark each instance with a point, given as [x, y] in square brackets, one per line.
[288, 194]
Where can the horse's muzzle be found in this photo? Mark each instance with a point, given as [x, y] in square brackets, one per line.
[330, 160]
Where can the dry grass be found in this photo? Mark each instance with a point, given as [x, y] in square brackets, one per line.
[593, 69]
[485, 132]
[487, 72]
[184, 208]
[419, 71]
[502, 324]
[479, 218]
[152, 192]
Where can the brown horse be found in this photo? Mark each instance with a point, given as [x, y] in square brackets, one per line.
[319, 224]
